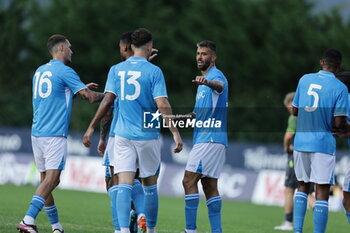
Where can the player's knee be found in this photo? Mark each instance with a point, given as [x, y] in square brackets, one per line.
[187, 183]
[346, 204]
[58, 181]
[50, 184]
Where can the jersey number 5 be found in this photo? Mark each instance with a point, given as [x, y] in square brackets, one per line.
[313, 93]
[39, 81]
[132, 81]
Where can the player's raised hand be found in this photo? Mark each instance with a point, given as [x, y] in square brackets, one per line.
[101, 147]
[200, 80]
[154, 53]
[92, 86]
[87, 137]
[178, 143]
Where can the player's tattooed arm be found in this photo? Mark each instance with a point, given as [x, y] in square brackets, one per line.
[213, 84]
[105, 126]
[105, 105]
[91, 96]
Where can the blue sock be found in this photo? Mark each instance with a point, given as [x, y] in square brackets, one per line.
[36, 205]
[192, 201]
[300, 205]
[113, 192]
[214, 211]
[348, 216]
[151, 205]
[52, 213]
[137, 196]
[124, 204]
[320, 216]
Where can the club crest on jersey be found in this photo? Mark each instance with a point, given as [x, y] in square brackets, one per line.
[200, 95]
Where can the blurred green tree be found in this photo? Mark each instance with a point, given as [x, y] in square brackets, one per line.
[264, 47]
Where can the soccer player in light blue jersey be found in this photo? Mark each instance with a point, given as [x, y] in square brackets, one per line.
[345, 78]
[108, 124]
[140, 87]
[321, 103]
[207, 156]
[54, 85]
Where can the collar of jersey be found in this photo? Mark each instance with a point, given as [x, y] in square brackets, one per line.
[136, 59]
[55, 61]
[326, 73]
[210, 70]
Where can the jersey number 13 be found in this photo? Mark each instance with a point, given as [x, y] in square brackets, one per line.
[132, 80]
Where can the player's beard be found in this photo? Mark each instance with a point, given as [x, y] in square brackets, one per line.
[122, 58]
[68, 60]
[205, 65]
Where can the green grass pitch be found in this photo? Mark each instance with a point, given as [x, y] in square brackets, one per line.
[83, 212]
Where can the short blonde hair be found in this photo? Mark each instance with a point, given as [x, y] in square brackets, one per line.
[289, 98]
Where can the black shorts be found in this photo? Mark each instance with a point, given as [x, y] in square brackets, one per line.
[290, 179]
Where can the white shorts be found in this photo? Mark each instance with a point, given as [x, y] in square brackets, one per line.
[133, 154]
[314, 167]
[346, 186]
[207, 159]
[49, 152]
[108, 157]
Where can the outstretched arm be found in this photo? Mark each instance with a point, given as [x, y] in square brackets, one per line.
[214, 84]
[105, 105]
[91, 96]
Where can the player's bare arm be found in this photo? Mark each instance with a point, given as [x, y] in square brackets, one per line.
[105, 105]
[104, 130]
[294, 111]
[165, 108]
[154, 53]
[190, 115]
[341, 127]
[288, 142]
[213, 84]
[92, 86]
[91, 96]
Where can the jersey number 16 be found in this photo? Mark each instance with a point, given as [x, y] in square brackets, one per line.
[39, 81]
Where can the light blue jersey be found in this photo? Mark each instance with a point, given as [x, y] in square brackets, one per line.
[54, 85]
[211, 106]
[136, 82]
[348, 117]
[319, 98]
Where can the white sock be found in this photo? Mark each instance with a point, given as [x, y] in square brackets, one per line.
[151, 230]
[140, 215]
[124, 230]
[191, 231]
[28, 220]
[117, 231]
[57, 226]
